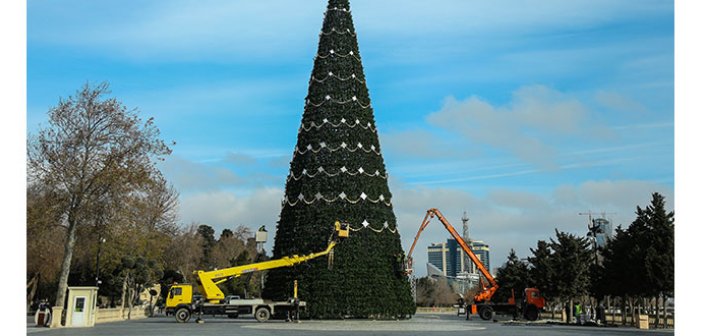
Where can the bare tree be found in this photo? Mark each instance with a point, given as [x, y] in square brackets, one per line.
[159, 207]
[93, 147]
[185, 252]
[243, 233]
[435, 292]
[445, 295]
[226, 250]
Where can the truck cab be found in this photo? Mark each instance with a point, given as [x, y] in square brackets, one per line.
[533, 303]
[179, 295]
[533, 297]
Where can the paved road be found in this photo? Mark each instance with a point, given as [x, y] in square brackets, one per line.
[419, 325]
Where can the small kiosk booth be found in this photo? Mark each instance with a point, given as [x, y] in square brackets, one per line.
[82, 306]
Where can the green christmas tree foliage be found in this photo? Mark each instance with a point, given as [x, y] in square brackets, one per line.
[338, 173]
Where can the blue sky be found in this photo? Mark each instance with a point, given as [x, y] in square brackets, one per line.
[522, 113]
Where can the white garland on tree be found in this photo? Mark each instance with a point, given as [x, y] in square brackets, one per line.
[340, 32]
[331, 74]
[329, 98]
[343, 121]
[342, 170]
[342, 9]
[350, 148]
[333, 53]
[367, 225]
[340, 197]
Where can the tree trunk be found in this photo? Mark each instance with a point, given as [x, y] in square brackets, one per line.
[570, 311]
[66, 263]
[658, 311]
[151, 306]
[609, 308]
[624, 314]
[665, 311]
[33, 284]
[124, 294]
[131, 301]
[633, 314]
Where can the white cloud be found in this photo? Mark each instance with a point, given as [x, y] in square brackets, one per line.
[228, 172]
[523, 127]
[623, 194]
[226, 209]
[547, 109]
[189, 176]
[482, 123]
[620, 103]
[240, 158]
[421, 143]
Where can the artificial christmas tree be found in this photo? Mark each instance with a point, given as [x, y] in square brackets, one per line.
[337, 173]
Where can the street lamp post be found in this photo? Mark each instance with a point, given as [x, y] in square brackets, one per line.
[101, 240]
[261, 238]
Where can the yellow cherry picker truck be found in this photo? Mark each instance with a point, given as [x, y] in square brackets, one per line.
[180, 301]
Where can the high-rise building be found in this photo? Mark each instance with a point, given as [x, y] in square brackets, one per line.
[450, 259]
[482, 251]
[603, 231]
[437, 253]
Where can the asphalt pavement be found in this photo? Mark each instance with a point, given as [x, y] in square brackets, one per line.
[421, 324]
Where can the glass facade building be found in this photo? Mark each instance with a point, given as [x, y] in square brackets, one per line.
[450, 259]
[603, 231]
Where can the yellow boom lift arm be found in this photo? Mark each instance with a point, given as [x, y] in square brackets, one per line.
[207, 281]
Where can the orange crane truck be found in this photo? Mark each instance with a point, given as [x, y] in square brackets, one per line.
[530, 306]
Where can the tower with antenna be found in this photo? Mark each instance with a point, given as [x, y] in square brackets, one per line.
[466, 237]
[465, 220]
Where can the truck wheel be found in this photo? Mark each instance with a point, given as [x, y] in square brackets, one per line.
[531, 313]
[182, 315]
[262, 314]
[486, 313]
